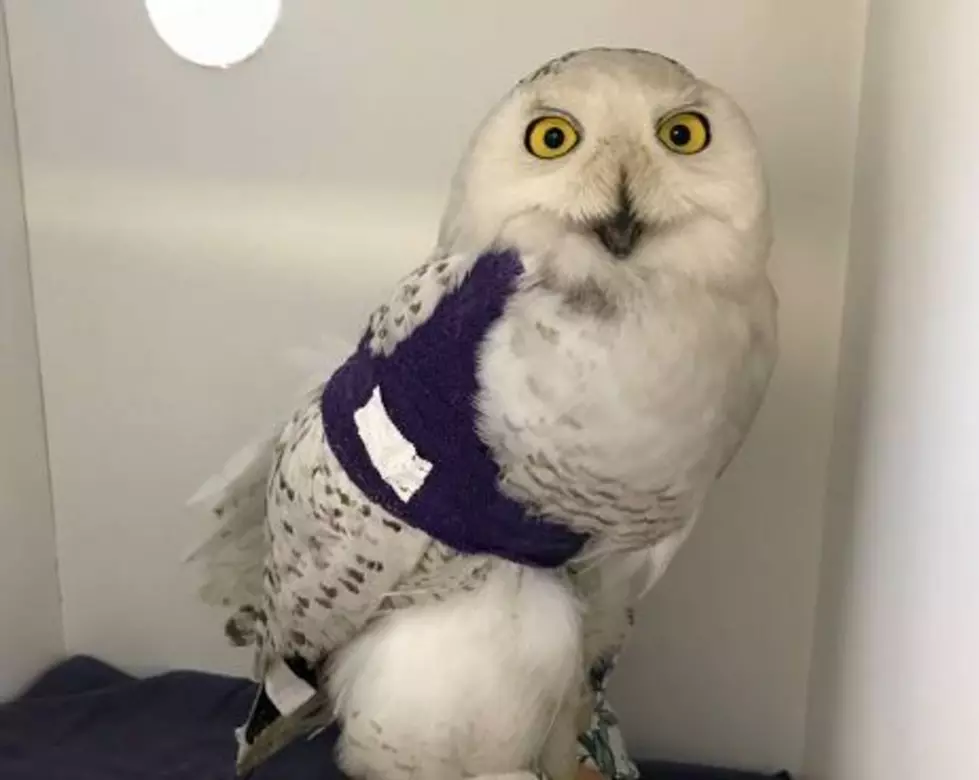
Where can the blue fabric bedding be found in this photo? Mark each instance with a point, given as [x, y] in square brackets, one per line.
[84, 720]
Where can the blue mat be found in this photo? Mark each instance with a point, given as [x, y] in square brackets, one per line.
[84, 720]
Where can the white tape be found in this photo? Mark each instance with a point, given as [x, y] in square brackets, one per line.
[286, 690]
[394, 457]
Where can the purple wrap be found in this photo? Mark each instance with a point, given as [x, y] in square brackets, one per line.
[429, 388]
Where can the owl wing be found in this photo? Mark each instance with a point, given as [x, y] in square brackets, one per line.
[232, 553]
[306, 558]
[230, 505]
[415, 298]
[335, 561]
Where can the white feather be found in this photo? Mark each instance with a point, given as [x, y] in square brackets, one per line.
[469, 686]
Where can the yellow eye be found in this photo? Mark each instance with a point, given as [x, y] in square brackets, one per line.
[550, 137]
[686, 133]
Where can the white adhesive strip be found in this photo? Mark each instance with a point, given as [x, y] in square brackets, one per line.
[394, 457]
[286, 690]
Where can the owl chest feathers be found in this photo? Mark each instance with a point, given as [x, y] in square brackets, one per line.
[617, 418]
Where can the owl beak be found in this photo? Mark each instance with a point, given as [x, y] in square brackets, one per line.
[620, 233]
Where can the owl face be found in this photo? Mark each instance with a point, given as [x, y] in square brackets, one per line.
[610, 161]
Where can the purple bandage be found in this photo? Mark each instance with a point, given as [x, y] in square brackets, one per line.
[429, 387]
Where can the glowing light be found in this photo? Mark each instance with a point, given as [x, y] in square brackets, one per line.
[214, 33]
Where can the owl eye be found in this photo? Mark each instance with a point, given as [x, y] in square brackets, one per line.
[685, 133]
[550, 137]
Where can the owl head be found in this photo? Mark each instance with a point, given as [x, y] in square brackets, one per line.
[613, 166]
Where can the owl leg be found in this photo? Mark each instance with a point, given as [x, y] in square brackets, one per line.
[475, 686]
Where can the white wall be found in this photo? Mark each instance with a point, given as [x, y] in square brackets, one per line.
[896, 679]
[30, 611]
[189, 226]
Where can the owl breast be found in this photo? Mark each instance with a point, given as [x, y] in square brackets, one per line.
[618, 420]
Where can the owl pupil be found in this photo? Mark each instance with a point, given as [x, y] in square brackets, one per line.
[680, 135]
[554, 138]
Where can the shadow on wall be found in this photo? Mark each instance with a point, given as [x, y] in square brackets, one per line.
[858, 358]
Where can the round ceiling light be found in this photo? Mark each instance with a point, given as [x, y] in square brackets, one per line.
[214, 33]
